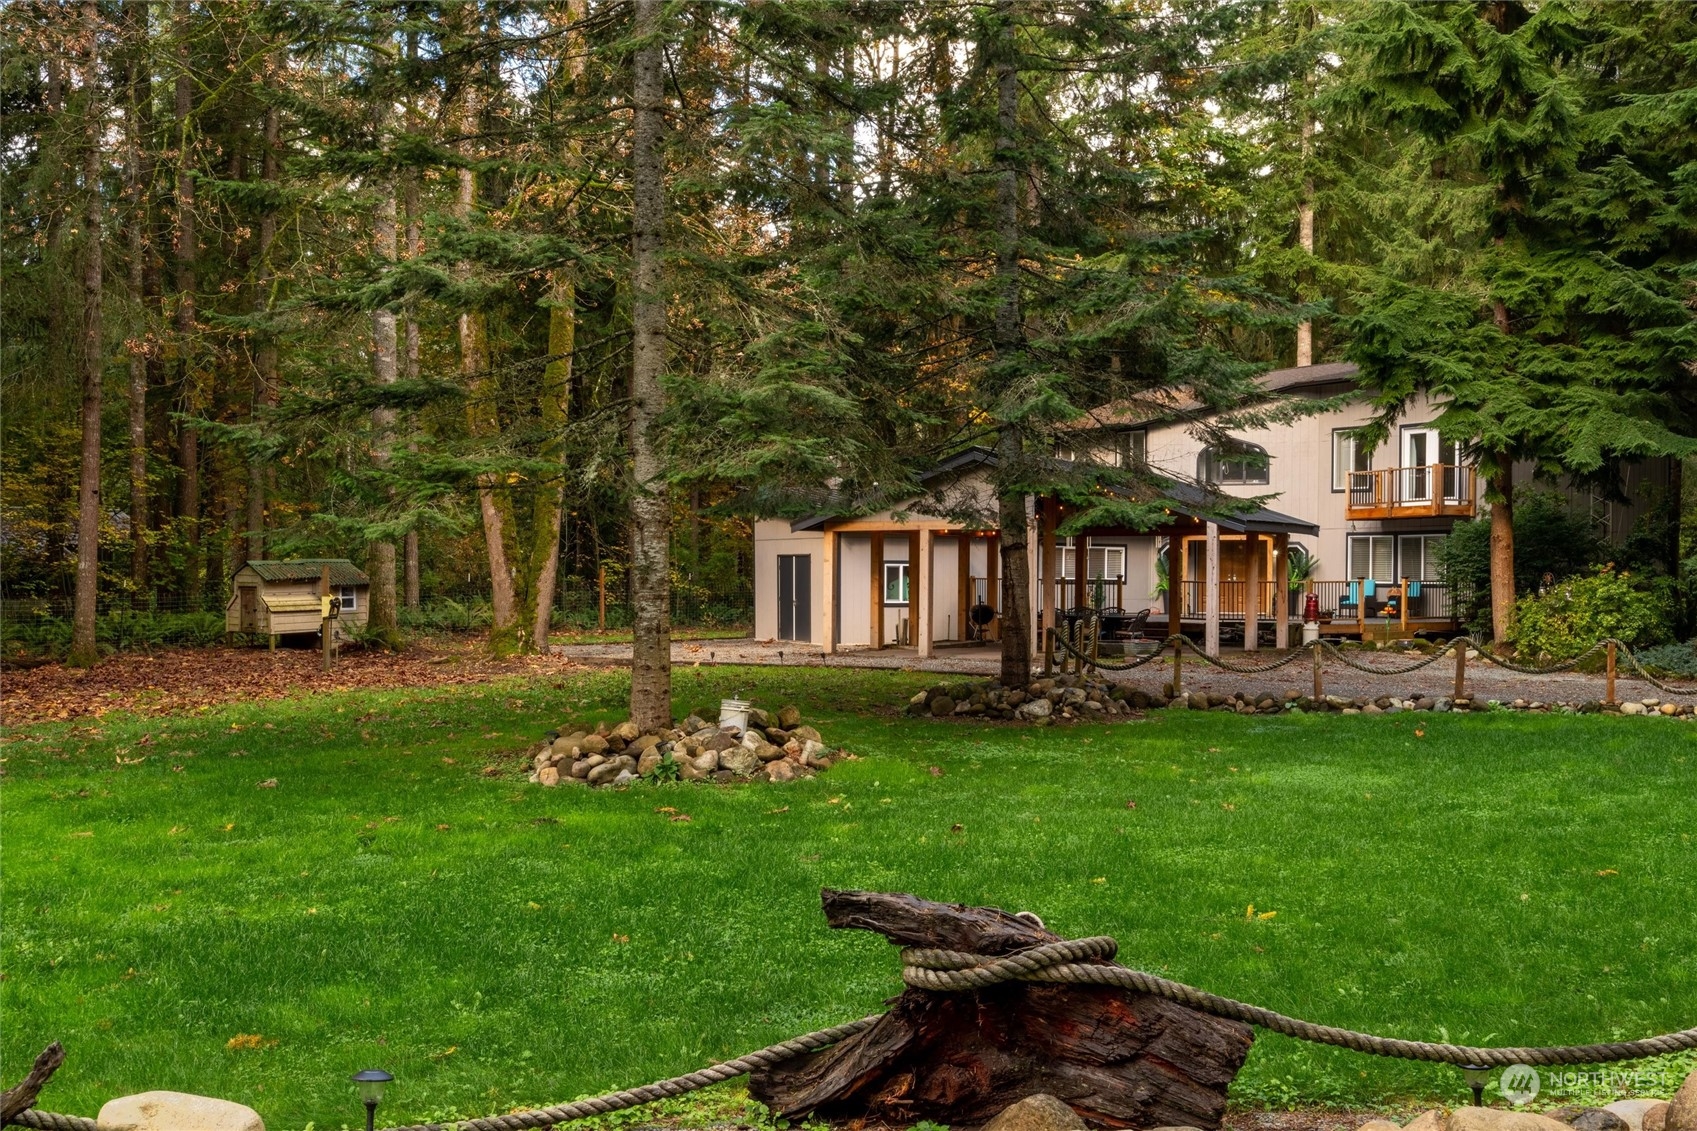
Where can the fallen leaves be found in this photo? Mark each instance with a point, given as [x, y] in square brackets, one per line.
[1607, 872]
[936, 771]
[779, 809]
[268, 783]
[244, 1042]
[190, 679]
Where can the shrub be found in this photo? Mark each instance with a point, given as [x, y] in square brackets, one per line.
[1672, 659]
[1548, 538]
[1576, 613]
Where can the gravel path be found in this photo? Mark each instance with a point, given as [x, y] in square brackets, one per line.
[1483, 681]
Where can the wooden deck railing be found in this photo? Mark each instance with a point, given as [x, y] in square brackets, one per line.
[1425, 491]
[1340, 601]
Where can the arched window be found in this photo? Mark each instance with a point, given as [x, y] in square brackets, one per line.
[1238, 463]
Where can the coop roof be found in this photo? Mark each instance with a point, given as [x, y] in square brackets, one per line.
[342, 571]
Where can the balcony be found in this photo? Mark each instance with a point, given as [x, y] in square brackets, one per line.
[1426, 491]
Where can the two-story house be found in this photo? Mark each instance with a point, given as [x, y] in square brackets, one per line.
[1367, 521]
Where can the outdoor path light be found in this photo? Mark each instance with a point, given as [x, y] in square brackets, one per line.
[371, 1081]
[1477, 1075]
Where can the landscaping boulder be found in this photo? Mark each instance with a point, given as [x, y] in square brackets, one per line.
[1632, 1112]
[1036, 709]
[176, 1111]
[1682, 1113]
[1589, 1119]
[1495, 1119]
[788, 716]
[593, 744]
[1432, 1120]
[1041, 1112]
[548, 775]
[1379, 1125]
[739, 760]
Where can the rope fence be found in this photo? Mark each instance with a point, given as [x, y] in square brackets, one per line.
[1078, 962]
[1461, 647]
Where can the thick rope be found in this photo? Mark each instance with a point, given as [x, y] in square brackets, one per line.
[659, 1090]
[1290, 657]
[51, 1121]
[1061, 962]
[1344, 658]
[1079, 962]
[1110, 665]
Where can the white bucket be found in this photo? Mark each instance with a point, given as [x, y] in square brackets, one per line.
[734, 713]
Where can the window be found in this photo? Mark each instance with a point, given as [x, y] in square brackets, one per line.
[1348, 454]
[1118, 449]
[1419, 554]
[1240, 463]
[1372, 555]
[350, 601]
[1106, 562]
[895, 583]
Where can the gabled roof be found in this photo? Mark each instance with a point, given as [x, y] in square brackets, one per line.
[342, 571]
[1191, 500]
[964, 460]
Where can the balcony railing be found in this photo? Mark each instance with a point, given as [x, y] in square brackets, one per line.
[1423, 491]
[1341, 602]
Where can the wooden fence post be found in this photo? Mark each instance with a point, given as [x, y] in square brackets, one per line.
[1611, 675]
[1402, 604]
[1319, 684]
[1461, 672]
[327, 631]
[1178, 666]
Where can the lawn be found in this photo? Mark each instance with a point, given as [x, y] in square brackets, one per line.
[1493, 879]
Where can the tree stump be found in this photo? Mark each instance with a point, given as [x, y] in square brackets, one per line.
[1119, 1059]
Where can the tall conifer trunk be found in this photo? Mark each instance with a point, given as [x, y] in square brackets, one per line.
[383, 617]
[84, 650]
[1009, 330]
[137, 168]
[1501, 479]
[651, 653]
[265, 350]
[188, 392]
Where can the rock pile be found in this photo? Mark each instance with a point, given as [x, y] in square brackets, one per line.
[1044, 701]
[777, 747]
[1062, 698]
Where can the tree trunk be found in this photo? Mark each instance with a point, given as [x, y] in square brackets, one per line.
[651, 652]
[265, 350]
[84, 650]
[1502, 547]
[409, 359]
[1010, 339]
[1305, 205]
[549, 503]
[136, 119]
[494, 507]
[188, 392]
[1118, 1058]
[383, 618]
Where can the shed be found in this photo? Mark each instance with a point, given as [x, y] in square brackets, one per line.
[273, 599]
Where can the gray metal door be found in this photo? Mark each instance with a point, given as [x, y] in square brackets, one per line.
[795, 597]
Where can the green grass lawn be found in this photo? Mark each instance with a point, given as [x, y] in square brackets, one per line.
[1494, 879]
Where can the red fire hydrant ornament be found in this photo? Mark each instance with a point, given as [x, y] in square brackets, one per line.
[1311, 609]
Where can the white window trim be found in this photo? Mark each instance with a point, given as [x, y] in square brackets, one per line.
[1343, 462]
[902, 575]
[349, 596]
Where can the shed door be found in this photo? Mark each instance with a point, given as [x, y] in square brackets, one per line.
[795, 596]
[250, 608]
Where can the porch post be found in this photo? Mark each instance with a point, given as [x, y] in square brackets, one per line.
[876, 609]
[1048, 581]
[1281, 591]
[963, 582]
[1252, 596]
[1211, 614]
[922, 594]
[1175, 583]
[1081, 571]
[913, 590]
[828, 594]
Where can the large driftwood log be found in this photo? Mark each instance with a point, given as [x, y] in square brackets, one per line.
[22, 1097]
[1120, 1059]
